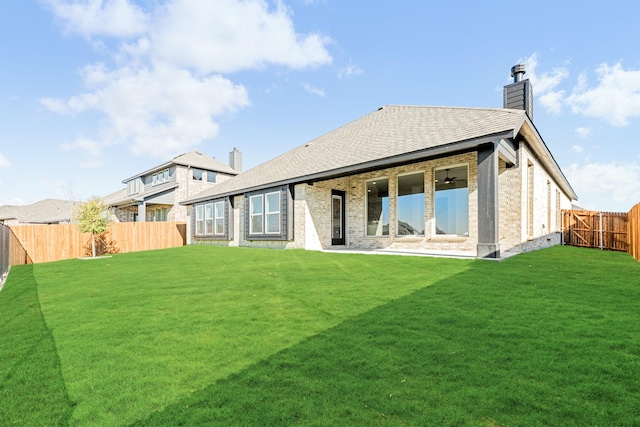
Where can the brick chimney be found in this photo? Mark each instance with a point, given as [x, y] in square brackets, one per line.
[519, 95]
[235, 160]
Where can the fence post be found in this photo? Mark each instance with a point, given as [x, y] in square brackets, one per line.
[601, 241]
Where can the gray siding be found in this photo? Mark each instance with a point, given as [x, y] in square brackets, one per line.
[519, 96]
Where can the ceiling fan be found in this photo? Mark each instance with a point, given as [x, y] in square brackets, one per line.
[448, 180]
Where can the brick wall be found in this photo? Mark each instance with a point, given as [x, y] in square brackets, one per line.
[312, 209]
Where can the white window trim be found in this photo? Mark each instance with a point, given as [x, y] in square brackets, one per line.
[200, 218]
[251, 214]
[208, 208]
[216, 218]
[267, 213]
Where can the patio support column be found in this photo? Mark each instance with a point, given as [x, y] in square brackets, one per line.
[142, 212]
[488, 207]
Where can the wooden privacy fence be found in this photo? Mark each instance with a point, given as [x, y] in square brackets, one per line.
[634, 231]
[45, 243]
[11, 252]
[604, 230]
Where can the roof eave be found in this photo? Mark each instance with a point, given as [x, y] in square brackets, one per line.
[442, 150]
[543, 152]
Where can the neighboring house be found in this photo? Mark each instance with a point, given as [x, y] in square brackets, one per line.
[155, 194]
[477, 181]
[48, 211]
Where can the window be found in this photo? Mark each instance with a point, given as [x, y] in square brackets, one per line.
[255, 209]
[219, 218]
[197, 174]
[452, 201]
[160, 177]
[411, 205]
[377, 200]
[133, 187]
[272, 212]
[157, 214]
[548, 207]
[267, 214]
[530, 177]
[208, 218]
[558, 212]
[199, 220]
[211, 177]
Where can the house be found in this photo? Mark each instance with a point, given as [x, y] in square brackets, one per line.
[155, 194]
[48, 211]
[476, 181]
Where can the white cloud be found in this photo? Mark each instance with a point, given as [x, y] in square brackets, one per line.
[544, 82]
[113, 18]
[4, 162]
[577, 148]
[611, 186]
[229, 35]
[160, 111]
[312, 89]
[166, 93]
[350, 70]
[552, 101]
[583, 132]
[544, 85]
[615, 99]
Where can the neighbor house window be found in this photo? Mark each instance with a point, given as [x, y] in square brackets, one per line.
[160, 177]
[410, 205]
[452, 201]
[197, 175]
[377, 200]
[157, 214]
[133, 187]
[211, 177]
[267, 215]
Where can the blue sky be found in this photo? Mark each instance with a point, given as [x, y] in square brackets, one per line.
[94, 91]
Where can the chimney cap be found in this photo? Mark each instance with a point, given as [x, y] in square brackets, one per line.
[517, 71]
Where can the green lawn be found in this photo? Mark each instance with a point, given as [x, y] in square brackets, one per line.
[226, 336]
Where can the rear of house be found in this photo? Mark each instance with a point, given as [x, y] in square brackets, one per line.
[472, 181]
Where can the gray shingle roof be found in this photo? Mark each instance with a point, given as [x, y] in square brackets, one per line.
[194, 159]
[391, 131]
[42, 212]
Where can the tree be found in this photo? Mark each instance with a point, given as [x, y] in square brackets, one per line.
[93, 217]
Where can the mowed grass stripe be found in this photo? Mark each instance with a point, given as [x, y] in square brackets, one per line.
[139, 332]
[547, 338]
[32, 390]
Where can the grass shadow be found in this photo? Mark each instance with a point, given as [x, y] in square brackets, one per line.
[32, 390]
[498, 344]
